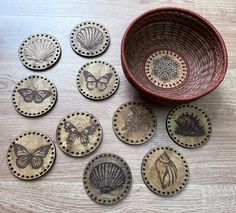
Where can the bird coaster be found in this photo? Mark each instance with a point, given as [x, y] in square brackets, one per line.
[107, 179]
[31, 155]
[97, 80]
[34, 96]
[79, 134]
[164, 171]
[39, 52]
[89, 39]
[188, 126]
[134, 123]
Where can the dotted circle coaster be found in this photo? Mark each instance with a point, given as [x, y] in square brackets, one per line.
[188, 126]
[31, 155]
[89, 39]
[164, 171]
[166, 69]
[39, 52]
[134, 123]
[107, 179]
[97, 80]
[79, 134]
[34, 96]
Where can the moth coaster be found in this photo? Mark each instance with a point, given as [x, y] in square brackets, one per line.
[188, 126]
[31, 155]
[89, 39]
[107, 179]
[134, 123]
[79, 133]
[34, 96]
[97, 80]
[39, 52]
[164, 171]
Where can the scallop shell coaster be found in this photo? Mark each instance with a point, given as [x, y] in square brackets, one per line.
[34, 96]
[39, 52]
[89, 39]
[79, 134]
[134, 123]
[188, 126]
[31, 155]
[97, 80]
[107, 179]
[165, 171]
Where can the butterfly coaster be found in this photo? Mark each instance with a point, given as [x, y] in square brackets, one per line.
[107, 179]
[31, 155]
[89, 39]
[134, 123]
[97, 80]
[34, 96]
[39, 52]
[188, 126]
[79, 134]
[164, 171]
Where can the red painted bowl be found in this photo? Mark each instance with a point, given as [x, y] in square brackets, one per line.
[173, 55]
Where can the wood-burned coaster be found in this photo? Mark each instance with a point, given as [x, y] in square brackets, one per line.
[31, 155]
[134, 123]
[89, 39]
[164, 171]
[39, 52]
[79, 134]
[34, 96]
[107, 179]
[97, 80]
[188, 126]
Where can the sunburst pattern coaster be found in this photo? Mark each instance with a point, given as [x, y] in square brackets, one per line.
[188, 126]
[164, 171]
[79, 134]
[31, 155]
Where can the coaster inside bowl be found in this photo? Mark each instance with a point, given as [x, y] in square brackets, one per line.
[188, 126]
[34, 96]
[79, 134]
[107, 179]
[39, 52]
[89, 39]
[97, 80]
[134, 123]
[164, 171]
[31, 155]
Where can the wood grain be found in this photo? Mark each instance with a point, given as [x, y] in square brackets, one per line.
[212, 185]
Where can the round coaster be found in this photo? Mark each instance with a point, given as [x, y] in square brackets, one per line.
[79, 134]
[134, 123]
[89, 39]
[31, 155]
[34, 96]
[97, 80]
[164, 171]
[188, 126]
[107, 179]
[165, 69]
[39, 52]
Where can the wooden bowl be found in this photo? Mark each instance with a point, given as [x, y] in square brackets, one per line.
[173, 55]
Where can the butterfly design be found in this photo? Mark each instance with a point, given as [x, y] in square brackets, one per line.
[92, 82]
[26, 157]
[30, 95]
[82, 135]
[135, 121]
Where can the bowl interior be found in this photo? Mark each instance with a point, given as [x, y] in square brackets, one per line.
[174, 54]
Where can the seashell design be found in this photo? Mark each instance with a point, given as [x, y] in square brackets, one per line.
[89, 38]
[107, 177]
[39, 50]
[166, 169]
[189, 125]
